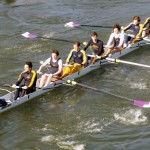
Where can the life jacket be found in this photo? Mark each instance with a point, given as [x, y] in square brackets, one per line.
[54, 66]
[77, 56]
[97, 47]
[116, 43]
[137, 31]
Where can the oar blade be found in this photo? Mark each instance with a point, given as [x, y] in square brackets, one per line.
[29, 35]
[147, 39]
[143, 104]
[71, 25]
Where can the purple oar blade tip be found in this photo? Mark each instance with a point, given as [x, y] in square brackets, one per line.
[29, 35]
[143, 104]
[32, 36]
[72, 25]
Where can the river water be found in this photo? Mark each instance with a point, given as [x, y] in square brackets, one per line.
[73, 118]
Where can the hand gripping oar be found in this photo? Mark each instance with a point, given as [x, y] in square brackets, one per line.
[34, 36]
[74, 25]
[138, 103]
[127, 62]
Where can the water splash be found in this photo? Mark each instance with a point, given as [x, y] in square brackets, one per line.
[132, 116]
[71, 145]
[48, 138]
[138, 85]
[90, 127]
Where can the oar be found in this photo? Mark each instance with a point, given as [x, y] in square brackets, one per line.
[9, 85]
[127, 62]
[74, 25]
[34, 36]
[138, 103]
[145, 38]
[5, 85]
[5, 90]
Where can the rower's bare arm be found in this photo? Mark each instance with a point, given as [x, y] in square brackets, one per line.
[110, 40]
[43, 65]
[127, 27]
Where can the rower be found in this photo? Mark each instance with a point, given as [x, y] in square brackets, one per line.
[146, 27]
[117, 38]
[55, 69]
[137, 28]
[26, 82]
[79, 60]
[96, 46]
[4, 102]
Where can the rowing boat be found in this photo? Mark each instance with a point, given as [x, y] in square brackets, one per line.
[78, 74]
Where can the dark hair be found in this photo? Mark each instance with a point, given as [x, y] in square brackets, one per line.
[55, 51]
[29, 63]
[117, 26]
[94, 34]
[77, 43]
[137, 18]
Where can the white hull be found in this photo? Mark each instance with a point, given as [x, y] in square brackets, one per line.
[60, 82]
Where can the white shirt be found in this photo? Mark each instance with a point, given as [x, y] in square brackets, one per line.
[114, 35]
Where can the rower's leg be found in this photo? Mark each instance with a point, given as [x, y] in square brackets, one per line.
[48, 80]
[76, 67]
[109, 51]
[127, 39]
[66, 71]
[17, 93]
[43, 80]
[92, 60]
[22, 93]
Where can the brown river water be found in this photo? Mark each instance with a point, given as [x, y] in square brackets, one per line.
[73, 118]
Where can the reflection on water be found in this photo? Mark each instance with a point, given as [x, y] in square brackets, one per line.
[10, 1]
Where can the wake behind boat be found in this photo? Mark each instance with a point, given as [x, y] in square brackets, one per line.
[53, 85]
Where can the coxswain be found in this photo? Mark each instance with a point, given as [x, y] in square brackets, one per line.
[96, 46]
[55, 70]
[146, 27]
[79, 60]
[4, 102]
[116, 40]
[26, 82]
[136, 28]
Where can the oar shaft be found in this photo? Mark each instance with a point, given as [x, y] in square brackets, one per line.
[54, 39]
[84, 25]
[138, 103]
[127, 62]
[95, 89]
